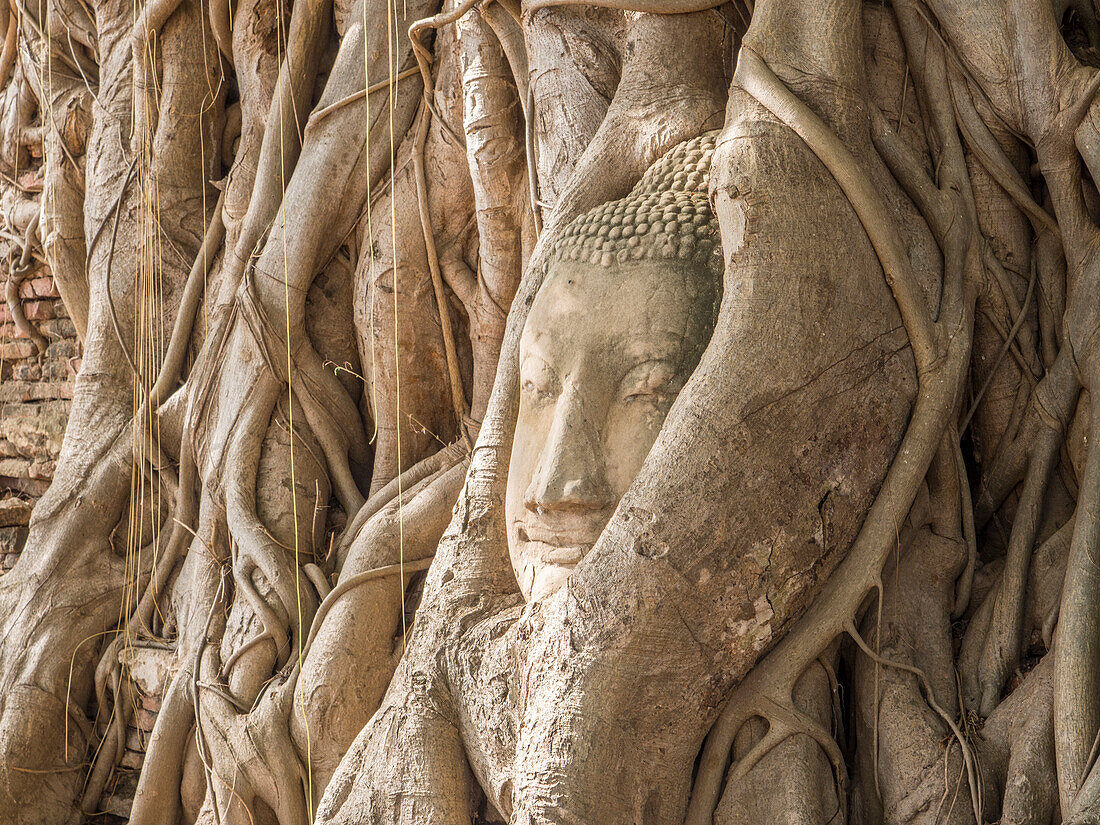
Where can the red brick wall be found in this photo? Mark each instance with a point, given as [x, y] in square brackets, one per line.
[35, 394]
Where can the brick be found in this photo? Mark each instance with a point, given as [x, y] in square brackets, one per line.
[135, 739]
[14, 512]
[26, 391]
[29, 486]
[14, 468]
[56, 370]
[132, 759]
[18, 349]
[64, 348]
[7, 449]
[38, 310]
[146, 719]
[42, 469]
[27, 371]
[5, 312]
[59, 328]
[15, 391]
[27, 289]
[119, 799]
[44, 288]
[34, 429]
[151, 703]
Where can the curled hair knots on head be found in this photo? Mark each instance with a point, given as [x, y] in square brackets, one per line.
[666, 216]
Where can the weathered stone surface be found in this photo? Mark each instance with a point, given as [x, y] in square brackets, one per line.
[150, 668]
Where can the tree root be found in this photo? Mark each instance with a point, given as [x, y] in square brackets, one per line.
[11, 291]
[941, 350]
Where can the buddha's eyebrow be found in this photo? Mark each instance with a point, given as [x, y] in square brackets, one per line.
[666, 346]
[535, 356]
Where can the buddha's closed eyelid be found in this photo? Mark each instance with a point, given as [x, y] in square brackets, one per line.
[656, 377]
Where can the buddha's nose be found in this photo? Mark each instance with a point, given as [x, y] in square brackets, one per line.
[571, 474]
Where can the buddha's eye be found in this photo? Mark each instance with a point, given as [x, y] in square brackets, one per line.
[651, 380]
[538, 380]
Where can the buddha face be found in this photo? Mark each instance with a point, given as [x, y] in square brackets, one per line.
[603, 354]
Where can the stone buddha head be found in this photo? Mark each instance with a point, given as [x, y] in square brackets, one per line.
[626, 309]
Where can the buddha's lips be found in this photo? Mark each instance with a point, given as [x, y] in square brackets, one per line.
[551, 546]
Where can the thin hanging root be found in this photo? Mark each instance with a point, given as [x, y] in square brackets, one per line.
[941, 350]
[968, 754]
[281, 145]
[531, 151]
[758, 80]
[509, 33]
[158, 797]
[1023, 346]
[117, 208]
[317, 578]
[251, 644]
[994, 160]
[784, 720]
[1050, 407]
[792, 722]
[186, 505]
[329, 410]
